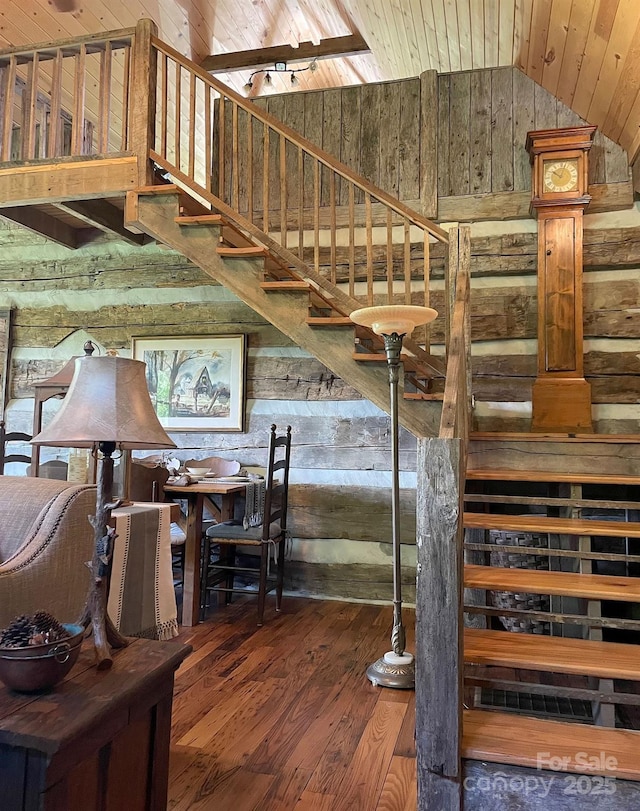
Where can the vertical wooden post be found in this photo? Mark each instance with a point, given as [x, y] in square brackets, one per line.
[142, 113]
[439, 624]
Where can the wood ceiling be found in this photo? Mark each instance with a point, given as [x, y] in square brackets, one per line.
[586, 52]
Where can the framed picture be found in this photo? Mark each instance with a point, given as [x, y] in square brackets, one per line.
[196, 384]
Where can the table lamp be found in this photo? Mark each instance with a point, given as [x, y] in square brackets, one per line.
[393, 321]
[106, 408]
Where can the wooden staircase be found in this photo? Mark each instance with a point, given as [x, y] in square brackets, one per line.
[296, 303]
[586, 569]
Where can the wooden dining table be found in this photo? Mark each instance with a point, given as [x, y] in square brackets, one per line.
[198, 495]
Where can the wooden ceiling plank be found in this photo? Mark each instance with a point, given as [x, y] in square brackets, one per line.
[538, 39]
[506, 33]
[43, 224]
[425, 11]
[582, 13]
[476, 14]
[624, 100]
[556, 43]
[104, 216]
[491, 29]
[590, 67]
[453, 39]
[422, 37]
[464, 34]
[610, 77]
[267, 57]
[444, 60]
[522, 33]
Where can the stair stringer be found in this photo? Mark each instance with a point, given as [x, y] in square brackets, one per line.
[286, 310]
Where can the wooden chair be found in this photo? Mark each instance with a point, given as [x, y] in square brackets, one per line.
[221, 574]
[12, 436]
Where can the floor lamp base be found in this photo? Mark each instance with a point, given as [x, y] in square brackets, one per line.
[393, 670]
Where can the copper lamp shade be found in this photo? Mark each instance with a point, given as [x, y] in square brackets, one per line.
[108, 401]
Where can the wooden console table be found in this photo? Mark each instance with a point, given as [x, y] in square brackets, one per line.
[99, 741]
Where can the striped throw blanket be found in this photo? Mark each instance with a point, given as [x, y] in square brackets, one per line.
[142, 600]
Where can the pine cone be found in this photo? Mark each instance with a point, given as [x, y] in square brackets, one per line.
[18, 633]
[46, 628]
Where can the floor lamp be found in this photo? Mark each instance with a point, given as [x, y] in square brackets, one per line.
[396, 668]
[107, 408]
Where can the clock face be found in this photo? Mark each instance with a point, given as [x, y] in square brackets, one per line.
[561, 175]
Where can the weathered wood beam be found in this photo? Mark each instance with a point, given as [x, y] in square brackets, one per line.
[439, 623]
[43, 224]
[267, 57]
[102, 215]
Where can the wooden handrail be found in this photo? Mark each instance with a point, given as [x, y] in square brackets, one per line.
[92, 42]
[295, 138]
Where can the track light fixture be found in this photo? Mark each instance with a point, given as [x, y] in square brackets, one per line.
[280, 67]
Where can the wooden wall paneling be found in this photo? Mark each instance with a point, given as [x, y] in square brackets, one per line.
[541, 13]
[354, 581]
[351, 138]
[460, 128]
[275, 106]
[331, 138]
[502, 129]
[257, 162]
[429, 150]
[313, 118]
[480, 132]
[371, 114]
[294, 118]
[409, 140]
[546, 109]
[616, 163]
[523, 122]
[389, 126]
[444, 137]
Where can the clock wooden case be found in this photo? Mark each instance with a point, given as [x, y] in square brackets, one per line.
[561, 395]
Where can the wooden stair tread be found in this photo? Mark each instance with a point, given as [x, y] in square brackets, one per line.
[249, 251]
[200, 219]
[500, 738]
[329, 321]
[553, 654]
[286, 285]
[546, 437]
[570, 584]
[507, 475]
[561, 526]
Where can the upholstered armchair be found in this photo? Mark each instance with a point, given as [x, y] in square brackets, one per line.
[45, 542]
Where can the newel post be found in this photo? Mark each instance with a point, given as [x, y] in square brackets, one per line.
[439, 624]
[142, 102]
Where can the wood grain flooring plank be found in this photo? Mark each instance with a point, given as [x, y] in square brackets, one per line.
[399, 792]
[315, 802]
[365, 776]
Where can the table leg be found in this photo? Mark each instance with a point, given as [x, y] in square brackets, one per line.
[192, 554]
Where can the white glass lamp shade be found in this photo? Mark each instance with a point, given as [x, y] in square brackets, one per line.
[389, 318]
[108, 401]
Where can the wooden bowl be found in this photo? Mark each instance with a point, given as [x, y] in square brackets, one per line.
[37, 668]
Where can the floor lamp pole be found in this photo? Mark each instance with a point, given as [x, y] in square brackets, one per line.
[396, 668]
[393, 321]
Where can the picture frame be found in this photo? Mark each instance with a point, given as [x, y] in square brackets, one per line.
[196, 383]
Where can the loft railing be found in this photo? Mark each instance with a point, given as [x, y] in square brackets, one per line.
[128, 91]
[50, 109]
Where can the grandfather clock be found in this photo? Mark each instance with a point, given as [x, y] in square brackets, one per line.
[561, 395]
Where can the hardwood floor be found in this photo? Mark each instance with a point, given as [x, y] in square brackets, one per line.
[283, 718]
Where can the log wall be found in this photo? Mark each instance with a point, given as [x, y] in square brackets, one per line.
[340, 501]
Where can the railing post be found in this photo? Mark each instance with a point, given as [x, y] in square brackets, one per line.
[439, 624]
[142, 109]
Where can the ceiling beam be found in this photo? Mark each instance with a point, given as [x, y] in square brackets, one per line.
[102, 215]
[267, 57]
[43, 224]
